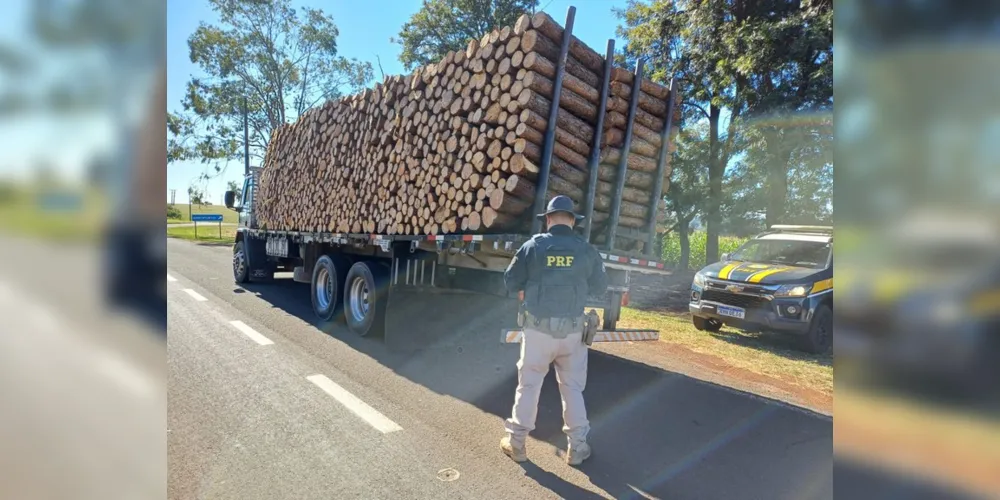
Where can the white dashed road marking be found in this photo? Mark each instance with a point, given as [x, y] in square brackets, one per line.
[375, 419]
[171, 278]
[195, 295]
[250, 332]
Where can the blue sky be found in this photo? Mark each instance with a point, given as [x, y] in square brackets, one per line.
[365, 30]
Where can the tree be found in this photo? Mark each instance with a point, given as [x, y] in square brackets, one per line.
[196, 195]
[691, 41]
[761, 62]
[276, 61]
[442, 26]
[686, 194]
[795, 62]
[235, 187]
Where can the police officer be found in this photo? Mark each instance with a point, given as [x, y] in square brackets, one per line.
[553, 273]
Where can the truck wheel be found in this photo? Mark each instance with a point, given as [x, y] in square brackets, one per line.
[241, 264]
[365, 298]
[706, 324]
[610, 320]
[326, 286]
[819, 339]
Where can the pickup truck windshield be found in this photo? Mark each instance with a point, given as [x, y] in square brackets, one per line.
[786, 252]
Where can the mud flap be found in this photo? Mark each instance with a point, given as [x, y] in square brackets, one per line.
[261, 269]
[417, 318]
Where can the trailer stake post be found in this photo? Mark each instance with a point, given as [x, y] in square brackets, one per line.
[595, 148]
[616, 203]
[661, 165]
[550, 132]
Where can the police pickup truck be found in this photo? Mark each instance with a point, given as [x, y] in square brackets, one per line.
[780, 280]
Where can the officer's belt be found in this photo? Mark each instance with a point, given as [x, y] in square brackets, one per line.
[559, 328]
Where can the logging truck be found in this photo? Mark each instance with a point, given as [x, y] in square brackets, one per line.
[402, 206]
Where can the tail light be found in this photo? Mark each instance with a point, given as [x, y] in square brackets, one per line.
[625, 299]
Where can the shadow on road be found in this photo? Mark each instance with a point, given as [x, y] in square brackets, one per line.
[653, 431]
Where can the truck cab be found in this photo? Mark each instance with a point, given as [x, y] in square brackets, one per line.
[780, 280]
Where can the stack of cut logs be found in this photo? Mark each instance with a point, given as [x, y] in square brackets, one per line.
[456, 146]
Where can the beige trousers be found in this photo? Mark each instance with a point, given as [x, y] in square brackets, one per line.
[538, 351]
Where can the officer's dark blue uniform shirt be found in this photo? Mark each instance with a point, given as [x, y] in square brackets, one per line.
[557, 271]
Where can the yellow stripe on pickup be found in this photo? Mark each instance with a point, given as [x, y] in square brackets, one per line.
[726, 271]
[985, 303]
[757, 277]
[822, 286]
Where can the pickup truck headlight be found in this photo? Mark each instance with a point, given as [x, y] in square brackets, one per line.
[792, 291]
[699, 280]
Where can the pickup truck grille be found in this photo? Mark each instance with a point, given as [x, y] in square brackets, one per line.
[734, 299]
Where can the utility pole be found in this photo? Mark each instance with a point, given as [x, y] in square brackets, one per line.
[173, 196]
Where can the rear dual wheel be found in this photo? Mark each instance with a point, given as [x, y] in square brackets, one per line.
[365, 297]
[326, 286]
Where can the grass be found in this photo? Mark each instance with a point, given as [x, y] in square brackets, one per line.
[209, 233]
[227, 214]
[766, 354]
[21, 213]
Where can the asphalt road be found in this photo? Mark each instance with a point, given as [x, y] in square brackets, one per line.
[278, 407]
[82, 389]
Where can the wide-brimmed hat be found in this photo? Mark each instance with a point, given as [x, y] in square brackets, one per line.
[561, 204]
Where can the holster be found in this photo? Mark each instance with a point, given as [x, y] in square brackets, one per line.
[590, 327]
[556, 327]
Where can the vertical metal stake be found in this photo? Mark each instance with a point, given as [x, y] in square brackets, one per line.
[661, 166]
[595, 149]
[616, 203]
[550, 133]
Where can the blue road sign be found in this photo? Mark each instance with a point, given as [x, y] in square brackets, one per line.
[206, 217]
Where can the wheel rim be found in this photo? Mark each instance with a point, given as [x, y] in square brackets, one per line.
[359, 299]
[324, 289]
[239, 264]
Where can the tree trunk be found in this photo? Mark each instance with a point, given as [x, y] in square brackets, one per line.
[716, 168]
[779, 154]
[684, 236]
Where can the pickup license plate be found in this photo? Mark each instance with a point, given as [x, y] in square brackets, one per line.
[732, 312]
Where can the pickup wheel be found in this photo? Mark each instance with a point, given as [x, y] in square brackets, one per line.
[819, 339]
[241, 264]
[365, 298]
[706, 324]
[326, 286]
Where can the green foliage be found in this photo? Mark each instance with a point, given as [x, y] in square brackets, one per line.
[196, 195]
[672, 248]
[174, 213]
[279, 61]
[757, 86]
[442, 26]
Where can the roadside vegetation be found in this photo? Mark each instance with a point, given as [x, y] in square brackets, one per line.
[53, 213]
[766, 354]
[673, 252]
[181, 212]
[207, 233]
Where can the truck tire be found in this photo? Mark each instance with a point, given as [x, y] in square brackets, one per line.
[610, 320]
[706, 324]
[819, 338]
[365, 298]
[241, 263]
[327, 285]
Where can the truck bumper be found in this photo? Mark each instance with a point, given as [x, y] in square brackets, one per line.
[758, 318]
